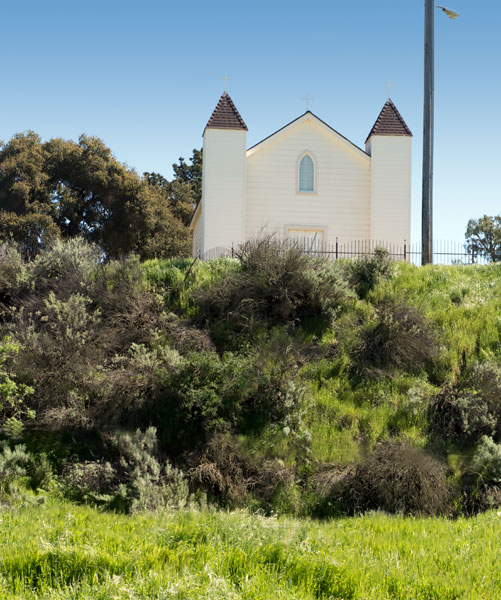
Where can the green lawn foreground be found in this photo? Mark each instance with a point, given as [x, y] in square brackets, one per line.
[60, 550]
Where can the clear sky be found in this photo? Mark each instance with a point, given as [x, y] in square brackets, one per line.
[145, 77]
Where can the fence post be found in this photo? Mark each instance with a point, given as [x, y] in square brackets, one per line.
[232, 252]
[405, 250]
[337, 248]
[472, 255]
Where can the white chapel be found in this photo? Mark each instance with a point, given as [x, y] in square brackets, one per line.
[305, 181]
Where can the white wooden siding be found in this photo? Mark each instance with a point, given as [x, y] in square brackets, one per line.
[391, 189]
[341, 202]
[198, 238]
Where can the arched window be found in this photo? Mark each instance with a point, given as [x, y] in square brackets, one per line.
[306, 174]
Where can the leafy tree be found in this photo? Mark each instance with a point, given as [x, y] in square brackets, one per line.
[483, 237]
[185, 191]
[63, 189]
[191, 174]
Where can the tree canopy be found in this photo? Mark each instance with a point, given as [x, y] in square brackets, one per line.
[483, 237]
[62, 189]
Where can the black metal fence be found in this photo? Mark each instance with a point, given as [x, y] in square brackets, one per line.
[445, 252]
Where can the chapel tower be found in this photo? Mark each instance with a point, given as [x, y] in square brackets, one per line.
[223, 180]
[390, 145]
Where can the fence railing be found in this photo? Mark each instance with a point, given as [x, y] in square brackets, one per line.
[445, 252]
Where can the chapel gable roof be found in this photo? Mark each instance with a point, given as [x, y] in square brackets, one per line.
[225, 115]
[389, 122]
[307, 116]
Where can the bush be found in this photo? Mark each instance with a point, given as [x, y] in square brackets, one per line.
[88, 481]
[66, 268]
[236, 392]
[486, 461]
[467, 410]
[206, 393]
[398, 337]
[13, 466]
[275, 285]
[367, 271]
[146, 483]
[395, 478]
[13, 274]
[482, 479]
[13, 410]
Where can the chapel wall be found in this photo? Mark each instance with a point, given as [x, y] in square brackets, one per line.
[223, 189]
[340, 203]
[391, 189]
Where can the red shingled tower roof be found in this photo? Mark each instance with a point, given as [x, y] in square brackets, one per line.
[390, 122]
[225, 115]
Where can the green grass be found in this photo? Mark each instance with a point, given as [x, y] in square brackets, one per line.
[60, 550]
[464, 302]
[464, 305]
[177, 278]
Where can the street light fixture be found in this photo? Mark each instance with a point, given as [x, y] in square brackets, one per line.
[428, 116]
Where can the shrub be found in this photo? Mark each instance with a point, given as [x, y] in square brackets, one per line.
[275, 285]
[398, 337]
[12, 394]
[232, 476]
[66, 268]
[13, 274]
[367, 271]
[207, 392]
[482, 479]
[87, 481]
[486, 462]
[467, 410]
[235, 392]
[13, 466]
[395, 478]
[146, 483]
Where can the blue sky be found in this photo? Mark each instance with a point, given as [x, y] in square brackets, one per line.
[145, 77]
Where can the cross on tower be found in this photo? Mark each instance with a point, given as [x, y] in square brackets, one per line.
[307, 99]
[226, 78]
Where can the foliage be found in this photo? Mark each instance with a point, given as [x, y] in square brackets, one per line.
[483, 237]
[367, 271]
[88, 481]
[17, 464]
[63, 189]
[191, 173]
[147, 485]
[302, 372]
[396, 478]
[275, 285]
[486, 461]
[12, 274]
[397, 337]
[208, 393]
[470, 408]
[12, 394]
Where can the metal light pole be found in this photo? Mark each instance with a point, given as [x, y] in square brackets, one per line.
[428, 124]
[429, 83]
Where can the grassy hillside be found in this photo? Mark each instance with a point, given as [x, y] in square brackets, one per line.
[273, 381]
[60, 551]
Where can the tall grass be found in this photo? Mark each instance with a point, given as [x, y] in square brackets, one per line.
[464, 302]
[64, 551]
[177, 278]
